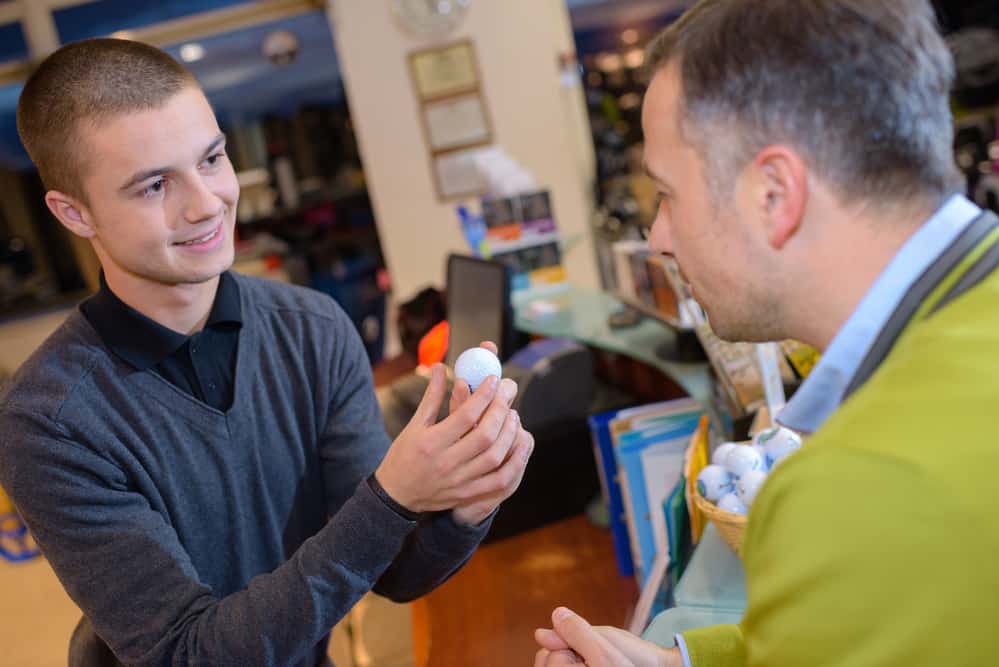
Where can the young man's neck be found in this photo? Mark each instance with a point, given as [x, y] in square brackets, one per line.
[183, 308]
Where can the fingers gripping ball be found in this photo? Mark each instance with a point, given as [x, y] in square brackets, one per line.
[475, 365]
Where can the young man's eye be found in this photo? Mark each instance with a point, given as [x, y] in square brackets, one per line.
[214, 160]
[154, 188]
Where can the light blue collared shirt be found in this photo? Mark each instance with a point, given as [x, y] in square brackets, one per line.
[820, 395]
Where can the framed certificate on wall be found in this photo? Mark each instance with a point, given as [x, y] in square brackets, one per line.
[444, 70]
[454, 115]
[456, 122]
[457, 175]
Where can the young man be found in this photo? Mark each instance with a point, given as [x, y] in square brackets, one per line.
[199, 454]
[803, 152]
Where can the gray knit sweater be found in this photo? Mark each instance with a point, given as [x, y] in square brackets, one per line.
[189, 536]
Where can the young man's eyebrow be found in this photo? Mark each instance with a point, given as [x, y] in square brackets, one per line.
[216, 142]
[159, 171]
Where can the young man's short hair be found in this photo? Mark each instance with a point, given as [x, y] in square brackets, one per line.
[90, 81]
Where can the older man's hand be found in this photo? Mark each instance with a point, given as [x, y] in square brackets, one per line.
[573, 641]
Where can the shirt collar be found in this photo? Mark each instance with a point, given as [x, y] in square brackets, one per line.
[226, 309]
[823, 390]
[143, 342]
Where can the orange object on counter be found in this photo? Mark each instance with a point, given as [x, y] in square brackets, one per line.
[433, 345]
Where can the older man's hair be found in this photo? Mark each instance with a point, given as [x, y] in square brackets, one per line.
[859, 87]
[89, 82]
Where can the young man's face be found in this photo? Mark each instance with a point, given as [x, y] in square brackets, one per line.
[161, 193]
[713, 243]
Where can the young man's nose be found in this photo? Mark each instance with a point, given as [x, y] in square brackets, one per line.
[202, 203]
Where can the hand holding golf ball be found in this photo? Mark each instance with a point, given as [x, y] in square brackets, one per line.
[468, 462]
[471, 368]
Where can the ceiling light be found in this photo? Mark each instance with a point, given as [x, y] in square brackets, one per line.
[634, 58]
[609, 62]
[192, 53]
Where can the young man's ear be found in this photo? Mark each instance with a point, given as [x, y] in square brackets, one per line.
[782, 190]
[70, 212]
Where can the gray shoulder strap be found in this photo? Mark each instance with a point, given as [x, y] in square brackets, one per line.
[969, 239]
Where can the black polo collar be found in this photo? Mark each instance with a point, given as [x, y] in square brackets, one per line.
[143, 342]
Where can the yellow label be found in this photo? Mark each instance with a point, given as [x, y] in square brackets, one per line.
[697, 459]
[6, 506]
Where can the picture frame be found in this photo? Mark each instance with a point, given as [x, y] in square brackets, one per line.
[456, 122]
[444, 71]
[456, 175]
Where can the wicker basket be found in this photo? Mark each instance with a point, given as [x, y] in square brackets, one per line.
[730, 526]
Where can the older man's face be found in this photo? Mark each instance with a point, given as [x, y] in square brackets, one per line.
[711, 241]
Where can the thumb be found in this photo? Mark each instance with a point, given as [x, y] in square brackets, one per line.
[586, 641]
[549, 639]
[433, 397]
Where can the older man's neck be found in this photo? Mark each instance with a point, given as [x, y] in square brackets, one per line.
[854, 246]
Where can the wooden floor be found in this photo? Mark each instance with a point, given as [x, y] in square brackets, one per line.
[486, 614]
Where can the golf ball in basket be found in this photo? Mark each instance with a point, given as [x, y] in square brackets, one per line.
[475, 365]
[749, 485]
[778, 443]
[731, 503]
[714, 482]
[718, 458]
[743, 459]
[763, 454]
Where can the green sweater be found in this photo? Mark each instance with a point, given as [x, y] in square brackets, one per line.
[878, 542]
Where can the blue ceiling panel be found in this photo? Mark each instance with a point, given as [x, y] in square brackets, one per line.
[12, 43]
[12, 153]
[101, 18]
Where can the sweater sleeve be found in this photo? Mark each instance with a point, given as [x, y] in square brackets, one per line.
[354, 443]
[715, 646]
[123, 564]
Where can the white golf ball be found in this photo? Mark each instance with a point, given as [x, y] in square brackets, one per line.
[731, 503]
[763, 454]
[718, 458]
[743, 459]
[749, 485]
[766, 434]
[475, 365]
[713, 482]
[778, 444]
